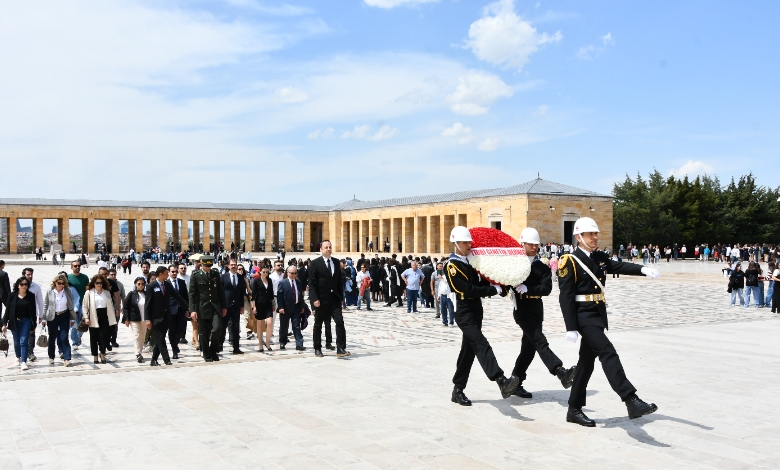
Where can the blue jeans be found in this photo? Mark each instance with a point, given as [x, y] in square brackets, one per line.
[734, 293]
[58, 328]
[21, 336]
[754, 291]
[75, 335]
[366, 295]
[760, 293]
[411, 300]
[446, 306]
[769, 292]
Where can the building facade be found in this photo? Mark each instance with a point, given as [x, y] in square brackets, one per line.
[417, 225]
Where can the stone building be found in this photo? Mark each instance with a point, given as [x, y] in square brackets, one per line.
[419, 224]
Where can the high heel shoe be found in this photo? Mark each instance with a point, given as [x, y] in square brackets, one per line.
[102, 358]
[269, 347]
[96, 360]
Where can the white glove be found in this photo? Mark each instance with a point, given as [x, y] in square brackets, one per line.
[572, 336]
[522, 288]
[499, 290]
[650, 272]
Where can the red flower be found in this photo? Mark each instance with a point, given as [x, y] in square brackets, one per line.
[484, 237]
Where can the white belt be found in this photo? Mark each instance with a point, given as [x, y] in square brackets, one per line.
[590, 298]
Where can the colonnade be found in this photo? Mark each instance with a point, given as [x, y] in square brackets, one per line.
[415, 234]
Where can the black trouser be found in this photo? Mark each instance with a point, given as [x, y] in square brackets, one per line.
[173, 332]
[98, 336]
[208, 335]
[533, 341]
[474, 344]
[113, 332]
[232, 320]
[286, 319]
[324, 313]
[181, 317]
[596, 344]
[399, 294]
[159, 332]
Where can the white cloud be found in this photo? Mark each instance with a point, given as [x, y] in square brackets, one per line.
[460, 131]
[501, 37]
[489, 144]
[284, 9]
[589, 52]
[542, 110]
[321, 134]
[387, 4]
[692, 168]
[364, 132]
[476, 91]
[290, 95]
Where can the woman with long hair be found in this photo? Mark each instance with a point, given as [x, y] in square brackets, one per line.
[263, 307]
[59, 316]
[19, 317]
[97, 300]
[134, 316]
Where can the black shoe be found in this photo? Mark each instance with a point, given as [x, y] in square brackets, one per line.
[329, 346]
[342, 353]
[115, 344]
[438, 316]
[208, 359]
[300, 348]
[289, 335]
[168, 363]
[183, 341]
[139, 358]
[566, 376]
[175, 356]
[507, 386]
[637, 408]
[522, 393]
[109, 347]
[198, 348]
[282, 347]
[318, 353]
[215, 358]
[154, 364]
[460, 398]
[387, 305]
[576, 416]
[238, 351]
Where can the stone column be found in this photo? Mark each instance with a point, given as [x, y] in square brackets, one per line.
[63, 230]
[269, 234]
[249, 239]
[184, 235]
[87, 235]
[138, 237]
[114, 234]
[288, 237]
[206, 235]
[431, 238]
[308, 237]
[37, 232]
[12, 235]
[163, 235]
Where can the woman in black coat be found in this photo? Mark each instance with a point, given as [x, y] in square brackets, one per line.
[263, 307]
[376, 276]
[134, 316]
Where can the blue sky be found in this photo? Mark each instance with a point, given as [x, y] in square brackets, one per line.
[314, 101]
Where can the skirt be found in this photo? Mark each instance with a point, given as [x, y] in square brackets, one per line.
[262, 315]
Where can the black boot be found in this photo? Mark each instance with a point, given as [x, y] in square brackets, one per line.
[637, 408]
[459, 397]
[576, 416]
[521, 392]
[566, 376]
[507, 386]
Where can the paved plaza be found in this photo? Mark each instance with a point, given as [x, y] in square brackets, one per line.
[709, 368]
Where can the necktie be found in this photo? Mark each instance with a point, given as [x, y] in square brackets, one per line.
[175, 286]
[234, 280]
[329, 268]
[162, 286]
[295, 292]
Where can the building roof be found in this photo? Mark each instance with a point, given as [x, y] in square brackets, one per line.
[537, 186]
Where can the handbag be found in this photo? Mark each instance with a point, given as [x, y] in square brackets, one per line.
[4, 344]
[43, 339]
[82, 327]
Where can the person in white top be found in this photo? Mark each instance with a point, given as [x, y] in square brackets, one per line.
[59, 315]
[442, 289]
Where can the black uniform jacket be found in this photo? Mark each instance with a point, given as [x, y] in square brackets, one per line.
[158, 305]
[323, 283]
[573, 281]
[467, 284]
[539, 284]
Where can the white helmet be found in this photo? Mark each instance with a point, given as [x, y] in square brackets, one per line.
[460, 234]
[530, 235]
[585, 224]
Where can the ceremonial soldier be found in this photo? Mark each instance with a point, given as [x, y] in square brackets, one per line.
[529, 315]
[469, 288]
[582, 275]
[208, 306]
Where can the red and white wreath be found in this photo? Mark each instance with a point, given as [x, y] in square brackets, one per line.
[498, 257]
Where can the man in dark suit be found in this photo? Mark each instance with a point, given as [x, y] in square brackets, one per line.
[326, 292]
[585, 313]
[289, 300]
[235, 291]
[5, 286]
[157, 310]
[174, 325]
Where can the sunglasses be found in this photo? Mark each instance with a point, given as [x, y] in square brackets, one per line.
[60, 283]
[98, 283]
[23, 284]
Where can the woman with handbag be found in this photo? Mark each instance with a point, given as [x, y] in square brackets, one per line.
[134, 316]
[97, 300]
[59, 315]
[263, 306]
[19, 317]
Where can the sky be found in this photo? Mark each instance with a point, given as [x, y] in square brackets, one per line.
[317, 102]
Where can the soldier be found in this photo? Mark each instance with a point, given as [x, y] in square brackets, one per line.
[208, 306]
[469, 288]
[582, 275]
[529, 315]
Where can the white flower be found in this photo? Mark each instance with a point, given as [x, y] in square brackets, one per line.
[507, 270]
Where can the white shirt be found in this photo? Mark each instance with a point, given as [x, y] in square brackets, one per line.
[360, 276]
[186, 279]
[36, 290]
[141, 304]
[60, 301]
[327, 260]
[100, 301]
[275, 278]
[441, 285]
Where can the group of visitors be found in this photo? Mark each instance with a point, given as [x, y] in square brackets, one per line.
[747, 283]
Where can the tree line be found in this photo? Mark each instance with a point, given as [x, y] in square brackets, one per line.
[664, 211]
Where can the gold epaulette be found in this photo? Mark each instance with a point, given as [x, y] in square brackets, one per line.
[563, 271]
